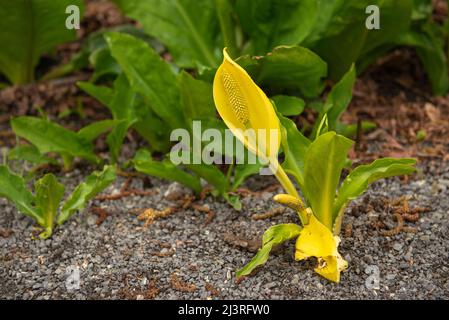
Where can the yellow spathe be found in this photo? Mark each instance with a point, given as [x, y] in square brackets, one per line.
[315, 240]
[243, 105]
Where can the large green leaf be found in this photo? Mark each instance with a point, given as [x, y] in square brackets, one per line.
[189, 28]
[287, 68]
[13, 188]
[29, 28]
[143, 162]
[51, 137]
[270, 23]
[196, 98]
[324, 161]
[85, 191]
[49, 193]
[358, 180]
[273, 236]
[340, 36]
[148, 75]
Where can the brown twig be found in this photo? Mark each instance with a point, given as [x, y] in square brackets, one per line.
[270, 214]
[180, 285]
[101, 213]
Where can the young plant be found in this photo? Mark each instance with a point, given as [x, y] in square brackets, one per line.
[317, 167]
[43, 206]
[30, 28]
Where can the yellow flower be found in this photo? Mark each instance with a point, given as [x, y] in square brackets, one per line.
[315, 240]
[243, 105]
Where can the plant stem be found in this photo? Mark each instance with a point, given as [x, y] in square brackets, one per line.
[289, 188]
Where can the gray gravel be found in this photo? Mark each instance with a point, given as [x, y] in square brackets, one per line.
[122, 259]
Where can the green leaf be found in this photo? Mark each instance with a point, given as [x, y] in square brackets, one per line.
[51, 137]
[116, 137]
[289, 105]
[196, 98]
[336, 103]
[324, 161]
[143, 162]
[341, 37]
[96, 129]
[273, 236]
[358, 180]
[101, 93]
[13, 188]
[49, 193]
[225, 15]
[188, 28]
[295, 146]
[85, 191]
[29, 153]
[30, 28]
[270, 23]
[339, 98]
[288, 68]
[148, 75]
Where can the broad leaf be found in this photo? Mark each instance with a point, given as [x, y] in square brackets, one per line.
[196, 98]
[28, 29]
[49, 193]
[273, 236]
[341, 37]
[148, 75]
[358, 180]
[188, 28]
[87, 190]
[324, 161]
[287, 68]
[13, 188]
[51, 137]
[270, 23]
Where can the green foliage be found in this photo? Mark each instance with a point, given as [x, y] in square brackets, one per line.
[49, 137]
[143, 162]
[28, 29]
[44, 204]
[356, 183]
[341, 38]
[324, 161]
[86, 191]
[188, 28]
[291, 68]
[274, 235]
[270, 23]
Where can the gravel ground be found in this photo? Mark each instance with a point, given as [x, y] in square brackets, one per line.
[181, 257]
